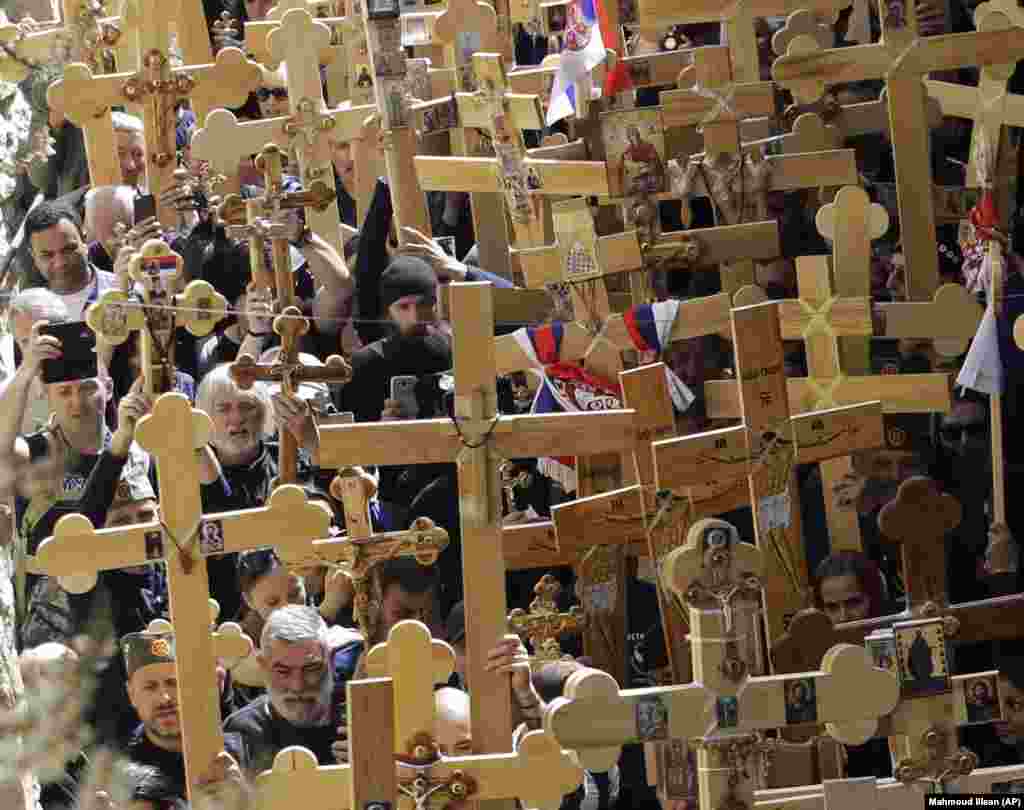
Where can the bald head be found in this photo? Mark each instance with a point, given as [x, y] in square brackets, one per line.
[451, 721]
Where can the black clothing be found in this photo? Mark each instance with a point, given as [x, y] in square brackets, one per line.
[371, 260]
[263, 733]
[171, 763]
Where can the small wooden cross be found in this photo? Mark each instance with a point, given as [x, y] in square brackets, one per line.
[159, 271]
[543, 624]
[901, 58]
[764, 449]
[918, 519]
[537, 772]
[183, 538]
[476, 438]
[718, 577]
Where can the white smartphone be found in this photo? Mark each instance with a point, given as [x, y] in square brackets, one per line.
[403, 390]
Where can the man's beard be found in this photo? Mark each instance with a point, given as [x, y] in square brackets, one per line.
[161, 732]
[313, 707]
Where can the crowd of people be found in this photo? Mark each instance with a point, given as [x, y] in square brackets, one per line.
[70, 448]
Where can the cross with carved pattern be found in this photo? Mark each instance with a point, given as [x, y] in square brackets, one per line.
[406, 767]
[543, 623]
[902, 58]
[764, 449]
[725, 707]
[307, 131]
[918, 520]
[287, 368]
[156, 87]
[84, 37]
[477, 439]
[158, 271]
[182, 538]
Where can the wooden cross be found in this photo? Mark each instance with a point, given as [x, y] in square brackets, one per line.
[521, 178]
[388, 69]
[159, 271]
[475, 439]
[543, 624]
[902, 58]
[308, 129]
[719, 578]
[932, 514]
[764, 449]
[738, 184]
[86, 100]
[182, 538]
[537, 772]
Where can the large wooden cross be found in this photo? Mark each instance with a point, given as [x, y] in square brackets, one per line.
[157, 87]
[764, 449]
[307, 130]
[476, 438]
[183, 538]
[82, 38]
[719, 579]
[902, 58]
[405, 767]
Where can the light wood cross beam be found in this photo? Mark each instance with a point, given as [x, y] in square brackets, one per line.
[724, 707]
[182, 539]
[86, 100]
[158, 271]
[739, 21]
[296, 42]
[538, 771]
[519, 177]
[476, 438]
[764, 449]
[901, 58]
[932, 515]
[738, 183]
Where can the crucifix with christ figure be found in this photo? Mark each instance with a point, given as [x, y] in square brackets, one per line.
[764, 449]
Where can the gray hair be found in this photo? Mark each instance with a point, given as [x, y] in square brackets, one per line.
[124, 195]
[294, 624]
[39, 304]
[123, 122]
[218, 384]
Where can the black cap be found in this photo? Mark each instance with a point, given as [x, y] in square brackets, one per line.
[407, 275]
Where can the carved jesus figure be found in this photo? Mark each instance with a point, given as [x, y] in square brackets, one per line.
[738, 185]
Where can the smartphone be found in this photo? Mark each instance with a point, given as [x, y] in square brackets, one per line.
[403, 390]
[78, 348]
[145, 207]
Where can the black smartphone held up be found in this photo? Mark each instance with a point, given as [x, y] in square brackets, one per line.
[145, 207]
[78, 348]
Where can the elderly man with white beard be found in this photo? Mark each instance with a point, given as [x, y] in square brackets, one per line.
[299, 707]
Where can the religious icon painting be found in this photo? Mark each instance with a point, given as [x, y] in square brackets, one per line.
[211, 537]
[921, 658]
[881, 646]
[640, 72]
[634, 143]
[651, 719]
[801, 701]
[977, 699]
[363, 77]
[727, 710]
[1014, 786]
[114, 321]
[154, 545]
[555, 18]
[414, 31]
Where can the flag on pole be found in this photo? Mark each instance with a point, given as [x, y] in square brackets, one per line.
[583, 51]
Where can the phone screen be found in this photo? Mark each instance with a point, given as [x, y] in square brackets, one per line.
[78, 353]
[145, 207]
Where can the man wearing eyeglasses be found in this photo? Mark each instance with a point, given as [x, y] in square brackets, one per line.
[60, 253]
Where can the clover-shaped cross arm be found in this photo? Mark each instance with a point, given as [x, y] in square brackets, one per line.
[295, 773]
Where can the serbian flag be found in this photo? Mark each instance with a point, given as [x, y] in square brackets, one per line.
[564, 388]
[583, 51]
[650, 327]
